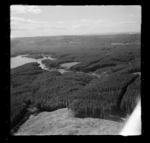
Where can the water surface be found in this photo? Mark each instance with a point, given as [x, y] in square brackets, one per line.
[68, 65]
[22, 59]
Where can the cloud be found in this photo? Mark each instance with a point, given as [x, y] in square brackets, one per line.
[87, 24]
[30, 25]
[93, 22]
[15, 9]
[22, 24]
[135, 16]
[128, 22]
[18, 23]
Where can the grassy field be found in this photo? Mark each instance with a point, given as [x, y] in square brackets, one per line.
[114, 93]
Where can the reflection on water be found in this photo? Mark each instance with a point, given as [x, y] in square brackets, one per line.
[60, 70]
[22, 59]
[68, 65]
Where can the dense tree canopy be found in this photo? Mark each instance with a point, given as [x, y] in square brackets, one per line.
[115, 91]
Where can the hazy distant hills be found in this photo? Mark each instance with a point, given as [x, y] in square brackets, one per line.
[68, 44]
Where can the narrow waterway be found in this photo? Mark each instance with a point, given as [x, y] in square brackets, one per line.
[65, 67]
[23, 59]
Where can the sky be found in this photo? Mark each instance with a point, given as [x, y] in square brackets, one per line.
[29, 21]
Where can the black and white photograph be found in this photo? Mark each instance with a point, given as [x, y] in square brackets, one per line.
[75, 70]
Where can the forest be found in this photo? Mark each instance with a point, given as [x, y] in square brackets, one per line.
[114, 93]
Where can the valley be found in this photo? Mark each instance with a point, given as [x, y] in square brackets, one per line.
[85, 76]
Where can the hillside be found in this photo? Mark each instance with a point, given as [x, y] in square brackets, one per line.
[115, 59]
[62, 122]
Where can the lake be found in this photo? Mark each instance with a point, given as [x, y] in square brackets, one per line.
[22, 59]
[68, 65]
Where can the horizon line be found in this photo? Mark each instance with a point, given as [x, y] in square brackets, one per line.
[96, 34]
